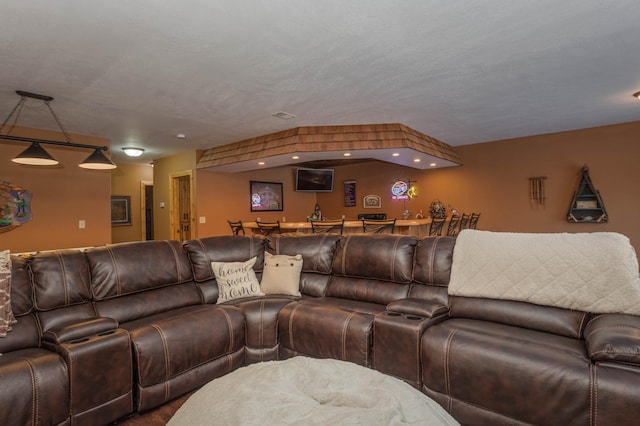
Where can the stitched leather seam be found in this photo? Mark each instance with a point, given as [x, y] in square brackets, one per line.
[114, 265]
[593, 394]
[447, 376]
[345, 326]
[432, 258]
[175, 259]
[609, 327]
[293, 311]
[165, 349]
[393, 259]
[35, 407]
[230, 328]
[65, 284]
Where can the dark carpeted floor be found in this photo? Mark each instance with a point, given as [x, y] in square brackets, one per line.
[156, 417]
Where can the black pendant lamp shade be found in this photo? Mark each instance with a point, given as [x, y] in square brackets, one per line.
[35, 155]
[97, 161]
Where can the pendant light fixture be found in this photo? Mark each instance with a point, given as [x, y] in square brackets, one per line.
[36, 155]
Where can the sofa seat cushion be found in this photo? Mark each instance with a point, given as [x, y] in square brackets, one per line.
[477, 369]
[261, 319]
[320, 330]
[174, 342]
[35, 388]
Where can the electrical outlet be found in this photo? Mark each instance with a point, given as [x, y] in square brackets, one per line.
[82, 224]
[202, 219]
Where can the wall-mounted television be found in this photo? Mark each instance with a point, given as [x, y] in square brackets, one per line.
[314, 180]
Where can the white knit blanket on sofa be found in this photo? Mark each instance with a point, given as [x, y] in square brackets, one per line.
[590, 272]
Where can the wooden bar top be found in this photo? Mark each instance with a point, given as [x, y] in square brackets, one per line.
[417, 227]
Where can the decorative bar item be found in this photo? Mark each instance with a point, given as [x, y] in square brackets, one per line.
[537, 191]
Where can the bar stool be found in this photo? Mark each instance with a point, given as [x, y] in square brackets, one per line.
[236, 227]
[268, 228]
[327, 226]
[378, 226]
[473, 221]
[436, 226]
[454, 226]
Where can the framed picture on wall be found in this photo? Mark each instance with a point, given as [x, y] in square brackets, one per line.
[120, 210]
[266, 196]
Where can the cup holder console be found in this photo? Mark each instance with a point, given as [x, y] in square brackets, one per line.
[406, 316]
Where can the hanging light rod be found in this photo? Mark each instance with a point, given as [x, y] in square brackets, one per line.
[45, 141]
[36, 155]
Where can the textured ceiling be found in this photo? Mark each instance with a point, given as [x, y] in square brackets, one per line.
[464, 72]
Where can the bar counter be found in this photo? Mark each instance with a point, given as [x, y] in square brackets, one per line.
[416, 227]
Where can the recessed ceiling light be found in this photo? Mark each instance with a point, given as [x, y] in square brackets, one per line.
[133, 152]
[347, 154]
[416, 160]
[395, 154]
[433, 164]
[295, 157]
[261, 163]
[181, 136]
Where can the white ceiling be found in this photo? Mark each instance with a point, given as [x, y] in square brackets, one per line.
[140, 72]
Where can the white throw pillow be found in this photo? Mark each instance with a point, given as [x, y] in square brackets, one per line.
[281, 274]
[236, 280]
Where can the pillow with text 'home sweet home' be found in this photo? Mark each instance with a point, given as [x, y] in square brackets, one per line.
[236, 280]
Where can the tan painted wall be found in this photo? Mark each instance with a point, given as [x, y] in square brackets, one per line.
[225, 196]
[162, 168]
[126, 180]
[62, 195]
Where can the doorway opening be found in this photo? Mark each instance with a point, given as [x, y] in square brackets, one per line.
[182, 208]
[146, 210]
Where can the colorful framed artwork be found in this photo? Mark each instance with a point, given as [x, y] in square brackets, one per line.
[266, 196]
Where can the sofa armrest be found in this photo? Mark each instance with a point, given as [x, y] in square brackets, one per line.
[614, 337]
[82, 330]
[419, 307]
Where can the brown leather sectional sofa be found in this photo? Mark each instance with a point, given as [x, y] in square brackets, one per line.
[111, 330]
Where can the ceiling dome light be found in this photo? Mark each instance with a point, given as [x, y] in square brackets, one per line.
[133, 152]
[637, 95]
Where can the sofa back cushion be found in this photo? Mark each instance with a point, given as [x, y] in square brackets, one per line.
[21, 288]
[549, 319]
[224, 248]
[432, 268]
[24, 333]
[372, 268]
[160, 270]
[317, 252]
[61, 287]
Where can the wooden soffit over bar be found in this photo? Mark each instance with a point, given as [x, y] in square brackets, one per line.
[393, 143]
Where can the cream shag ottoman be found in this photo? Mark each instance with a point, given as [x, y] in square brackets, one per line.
[307, 391]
